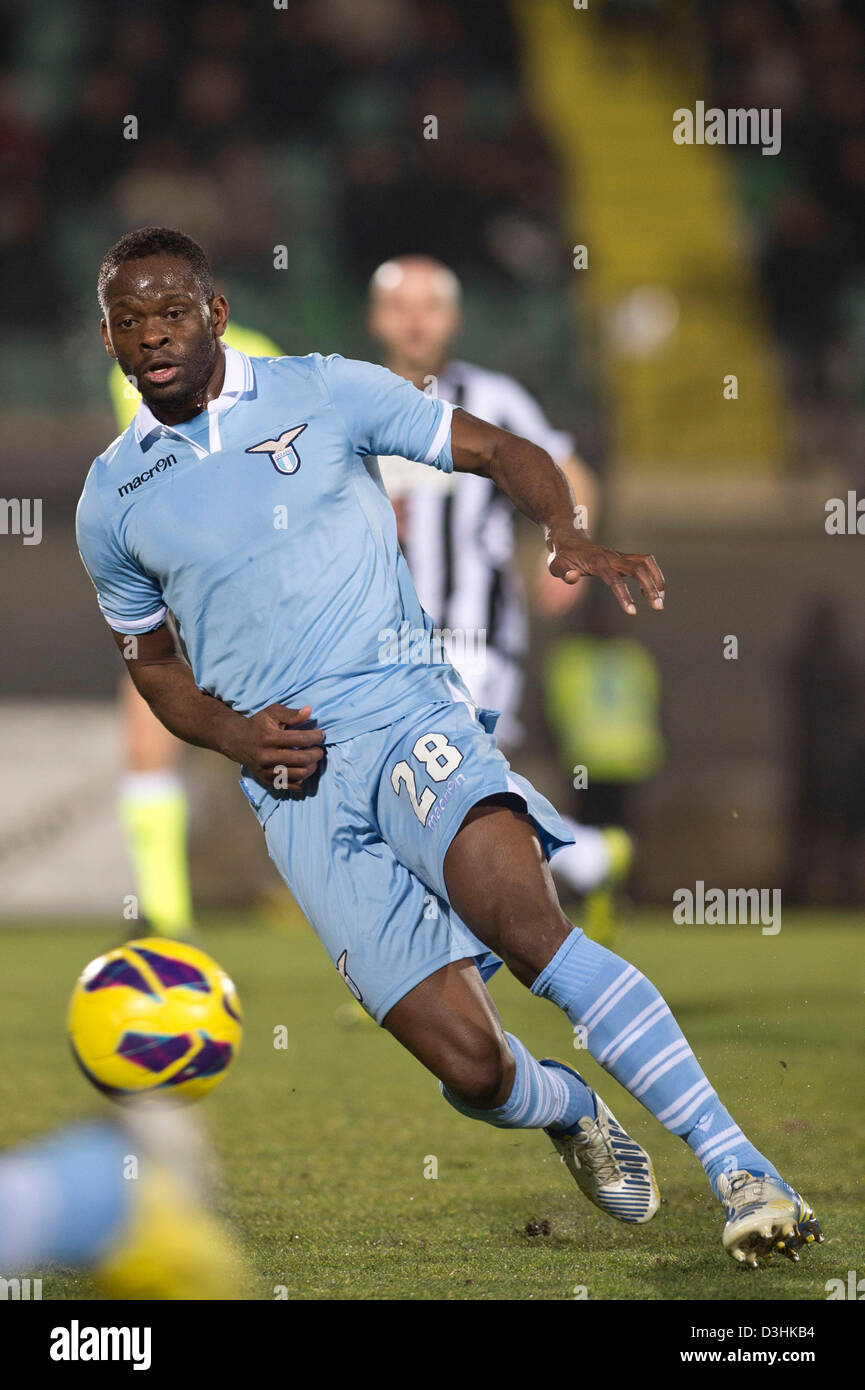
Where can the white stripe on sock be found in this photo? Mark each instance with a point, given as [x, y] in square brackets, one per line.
[541, 1109]
[631, 1024]
[561, 1086]
[717, 1144]
[631, 977]
[652, 1062]
[626, 973]
[657, 1010]
[683, 1055]
[689, 1100]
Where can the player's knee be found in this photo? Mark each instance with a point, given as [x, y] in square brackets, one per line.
[482, 1075]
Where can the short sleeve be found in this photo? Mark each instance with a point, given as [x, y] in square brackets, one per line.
[384, 414]
[130, 600]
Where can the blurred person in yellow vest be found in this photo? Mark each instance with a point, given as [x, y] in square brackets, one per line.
[153, 802]
[602, 696]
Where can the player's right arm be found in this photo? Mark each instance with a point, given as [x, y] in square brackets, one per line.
[264, 743]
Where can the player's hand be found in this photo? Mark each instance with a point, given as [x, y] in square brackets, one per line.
[573, 556]
[275, 750]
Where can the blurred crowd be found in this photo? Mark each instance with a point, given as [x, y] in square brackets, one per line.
[805, 207]
[308, 123]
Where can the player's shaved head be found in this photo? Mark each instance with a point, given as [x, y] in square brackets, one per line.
[155, 241]
[401, 271]
[414, 312]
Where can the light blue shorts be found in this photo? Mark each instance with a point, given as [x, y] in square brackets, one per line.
[362, 845]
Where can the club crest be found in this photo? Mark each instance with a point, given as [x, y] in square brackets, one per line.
[283, 454]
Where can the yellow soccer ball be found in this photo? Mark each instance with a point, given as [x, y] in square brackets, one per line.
[154, 1016]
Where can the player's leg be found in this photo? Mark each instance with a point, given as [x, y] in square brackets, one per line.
[450, 1024]
[600, 858]
[402, 953]
[499, 883]
[450, 750]
[153, 810]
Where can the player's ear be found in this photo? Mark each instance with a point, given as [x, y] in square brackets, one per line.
[103, 328]
[219, 314]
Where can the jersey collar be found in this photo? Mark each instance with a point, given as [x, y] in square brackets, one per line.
[238, 380]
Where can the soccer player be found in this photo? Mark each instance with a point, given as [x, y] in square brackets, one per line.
[246, 498]
[458, 535]
[153, 804]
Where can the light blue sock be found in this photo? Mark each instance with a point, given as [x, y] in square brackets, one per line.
[631, 1032]
[63, 1198]
[541, 1097]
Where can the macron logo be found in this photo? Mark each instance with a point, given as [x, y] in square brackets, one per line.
[77, 1343]
[159, 467]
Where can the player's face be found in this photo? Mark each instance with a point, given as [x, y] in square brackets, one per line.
[415, 321]
[161, 330]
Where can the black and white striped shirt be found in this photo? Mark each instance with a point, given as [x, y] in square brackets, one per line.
[458, 531]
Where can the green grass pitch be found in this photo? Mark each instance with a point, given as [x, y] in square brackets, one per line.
[324, 1145]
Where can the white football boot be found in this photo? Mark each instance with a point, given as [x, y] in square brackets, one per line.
[763, 1215]
[613, 1171]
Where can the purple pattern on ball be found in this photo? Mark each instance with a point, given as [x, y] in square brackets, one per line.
[213, 1057]
[152, 1052]
[170, 971]
[118, 972]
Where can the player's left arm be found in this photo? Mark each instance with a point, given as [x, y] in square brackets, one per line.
[528, 476]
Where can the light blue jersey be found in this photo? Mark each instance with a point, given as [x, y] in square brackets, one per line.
[263, 526]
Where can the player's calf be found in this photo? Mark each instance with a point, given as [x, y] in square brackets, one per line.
[450, 1024]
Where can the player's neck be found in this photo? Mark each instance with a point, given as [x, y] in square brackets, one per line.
[179, 411]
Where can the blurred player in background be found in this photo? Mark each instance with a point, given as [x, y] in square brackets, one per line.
[125, 1198]
[153, 804]
[458, 534]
